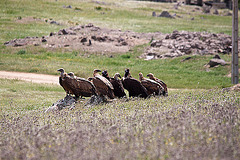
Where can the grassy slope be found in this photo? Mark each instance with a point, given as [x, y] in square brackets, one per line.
[126, 15]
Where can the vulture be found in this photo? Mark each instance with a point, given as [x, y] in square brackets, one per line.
[164, 85]
[103, 86]
[78, 86]
[134, 87]
[117, 84]
[152, 86]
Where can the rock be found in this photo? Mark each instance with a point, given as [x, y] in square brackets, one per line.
[216, 12]
[89, 42]
[51, 34]
[206, 9]
[166, 14]
[124, 43]
[185, 59]
[69, 6]
[215, 62]
[216, 56]
[62, 31]
[154, 14]
[44, 40]
[89, 25]
[83, 40]
[233, 88]
[54, 22]
[227, 14]
[67, 102]
[156, 43]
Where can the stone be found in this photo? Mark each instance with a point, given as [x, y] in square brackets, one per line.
[83, 40]
[166, 14]
[154, 14]
[216, 12]
[215, 62]
[44, 40]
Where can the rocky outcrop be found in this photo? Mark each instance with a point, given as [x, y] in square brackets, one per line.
[180, 43]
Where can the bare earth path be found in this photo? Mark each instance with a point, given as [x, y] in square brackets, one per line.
[31, 77]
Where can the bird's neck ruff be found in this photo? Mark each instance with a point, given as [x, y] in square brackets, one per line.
[62, 74]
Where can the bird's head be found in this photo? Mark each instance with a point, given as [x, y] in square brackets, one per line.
[127, 73]
[105, 73]
[71, 74]
[150, 75]
[95, 71]
[140, 76]
[117, 75]
[60, 70]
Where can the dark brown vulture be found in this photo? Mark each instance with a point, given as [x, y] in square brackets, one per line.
[103, 86]
[153, 87]
[134, 87]
[117, 84]
[63, 81]
[164, 85]
[78, 86]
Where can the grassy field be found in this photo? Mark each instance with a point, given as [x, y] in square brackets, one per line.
[125, 15]
[196, 121]
[187, 124]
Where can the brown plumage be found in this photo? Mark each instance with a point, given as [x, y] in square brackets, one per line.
[164, 85]
[153, 87]
[103, 86]
[78, 86]
[63, 81]
[133, 86]
[117, 84]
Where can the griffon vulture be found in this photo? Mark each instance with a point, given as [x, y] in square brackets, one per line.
[103, 86]
[152, 86]
[78, 86]
[134, 87]
[164, 85]
[63, 81]
[117, 84]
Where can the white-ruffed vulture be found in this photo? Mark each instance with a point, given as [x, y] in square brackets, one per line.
[133, 86]
[153, 87]
[80, 87]
[117, 84]
[103, 86]
[164, 85]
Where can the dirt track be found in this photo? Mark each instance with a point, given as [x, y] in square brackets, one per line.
[31, 77]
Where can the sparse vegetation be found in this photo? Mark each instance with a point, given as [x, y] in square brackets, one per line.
[187, 124]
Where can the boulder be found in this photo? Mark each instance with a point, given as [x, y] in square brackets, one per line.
[216, 61]
[166, 14]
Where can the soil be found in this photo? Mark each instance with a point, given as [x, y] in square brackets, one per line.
[89, 38]
[92, 39]
[31, 77]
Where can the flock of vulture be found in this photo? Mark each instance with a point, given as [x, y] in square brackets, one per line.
[103, 85]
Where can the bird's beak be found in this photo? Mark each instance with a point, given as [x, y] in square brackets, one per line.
[119, 76]
[59, 70]
[148, 75]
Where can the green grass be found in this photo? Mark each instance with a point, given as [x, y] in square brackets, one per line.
[17, 96]
[125, 15]
[189, 74]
